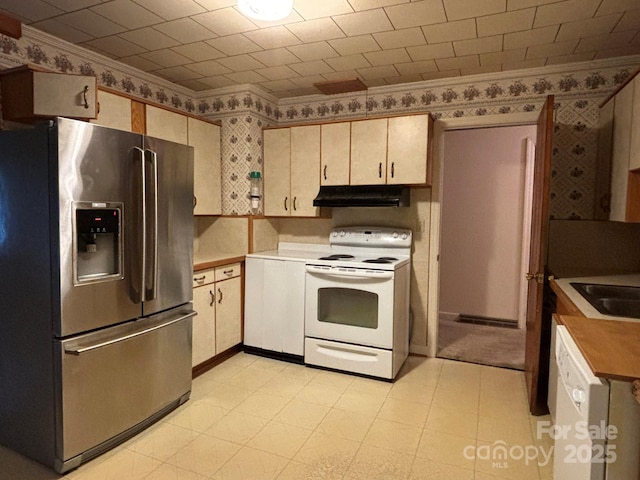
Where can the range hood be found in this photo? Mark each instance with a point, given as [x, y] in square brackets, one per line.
[363, 196]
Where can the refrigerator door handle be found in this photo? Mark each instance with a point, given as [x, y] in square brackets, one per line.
[151, 232]
[138, 261]
[80, 349]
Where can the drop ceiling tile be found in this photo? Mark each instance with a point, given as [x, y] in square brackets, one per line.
[566, 11]
[91, 23]
[127, 13]
[416, 68]
[599, 42]
[428, 52]
[217, 4]
[172, 9]
[166, 58]
[480, 70]
[459, 9]
[316, 67]
[69, 5]
[456, 63]
[361, 23]
[185, 30]
[293, 17]
[540, 62]
[149, 38]
[586, 28]
[348, 62]
[278, 85]
[372, 73]
[498, 58]
[277, 73]
[322, 8]
[505, 22]
[209, 68]
[141, 63]
[234, 44]
[520, 4]
[177, 74]
[530, 38]
[316, 30]
[198, 51]
[438, 75]
[630, 21]
[403, 79]
[450, 31]
[273, 37]
[551, 49]
[478, 45]
[240, 63]
[416, 14]
[313, 51]
[388, 57]
[616, 6]
[619, 52]
[576, 57]
[30, 10]
[248, 77]
[275, 57]
[307, 82]
[369, 4]
[61, 30]
[343, 75]
[116, 47]
[353, 45]
[217, 81]
[407, 37]
[195, 85]
[226, 21]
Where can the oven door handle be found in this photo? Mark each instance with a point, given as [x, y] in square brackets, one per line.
[357, 274]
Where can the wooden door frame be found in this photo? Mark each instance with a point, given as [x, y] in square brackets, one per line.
[440, 126]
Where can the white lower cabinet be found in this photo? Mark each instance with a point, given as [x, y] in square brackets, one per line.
[274, 306]
[217, 298]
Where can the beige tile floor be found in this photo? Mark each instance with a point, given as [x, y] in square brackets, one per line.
[252, 418]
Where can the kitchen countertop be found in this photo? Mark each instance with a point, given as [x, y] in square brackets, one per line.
[612, 349]
[202, 262]
[294, 252]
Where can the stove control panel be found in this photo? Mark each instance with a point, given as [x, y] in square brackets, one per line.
[371, 236]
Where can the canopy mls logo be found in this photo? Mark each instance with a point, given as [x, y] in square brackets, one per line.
[594, 450]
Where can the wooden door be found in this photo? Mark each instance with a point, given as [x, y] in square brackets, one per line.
[369, 151]
[277, 165]
[305, 170]
[538, 331]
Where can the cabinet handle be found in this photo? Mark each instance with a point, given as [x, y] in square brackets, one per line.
[285, 204]
[325, 172]
[213, 298]
[199, 279]
[393, 164]
[84, 96]
[294, 203]
[219, 295]
[380, 170]
[228, 272]
[195, 201]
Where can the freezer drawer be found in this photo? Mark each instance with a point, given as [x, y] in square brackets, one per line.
[117, 378]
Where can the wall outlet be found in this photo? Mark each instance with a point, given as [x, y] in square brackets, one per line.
[420, 225]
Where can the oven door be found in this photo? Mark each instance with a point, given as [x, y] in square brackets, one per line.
[350, 305]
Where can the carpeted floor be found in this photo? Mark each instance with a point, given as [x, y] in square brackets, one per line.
[496, 346]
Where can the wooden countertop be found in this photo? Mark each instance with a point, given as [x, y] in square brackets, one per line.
[612, 349]
[201, 263]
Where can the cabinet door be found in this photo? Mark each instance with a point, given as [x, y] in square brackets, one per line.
[228, 314]
[204, 137]
[276, 183]
[634, 152]
[369, 151]
[254, 313]
[204, 324]
[335, 153]
[114, 111]
[305, 170]
[407, 153]
[293, 328]
[168, 125]
[620, 153]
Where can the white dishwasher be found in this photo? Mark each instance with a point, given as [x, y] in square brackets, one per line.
[597, 422]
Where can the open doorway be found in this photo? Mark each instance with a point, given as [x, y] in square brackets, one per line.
[486, 195]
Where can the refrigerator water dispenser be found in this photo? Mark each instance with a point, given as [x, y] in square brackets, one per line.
[98, 242]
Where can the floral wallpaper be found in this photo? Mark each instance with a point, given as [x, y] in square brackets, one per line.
[244, 110]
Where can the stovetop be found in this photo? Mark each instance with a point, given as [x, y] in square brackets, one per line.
[370, 260]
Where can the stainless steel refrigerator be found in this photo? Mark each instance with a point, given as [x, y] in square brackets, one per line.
[96, 246]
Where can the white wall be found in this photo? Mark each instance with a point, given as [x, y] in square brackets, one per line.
[482, 212]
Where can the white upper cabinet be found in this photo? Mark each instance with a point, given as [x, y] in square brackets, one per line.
[407, 155]
[114, 111]
[277, 171]
[335, 153]
[369, 152]
[204, 137]
[623, 110]
[167, 125]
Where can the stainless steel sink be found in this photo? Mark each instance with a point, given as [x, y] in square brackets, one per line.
[615, 300]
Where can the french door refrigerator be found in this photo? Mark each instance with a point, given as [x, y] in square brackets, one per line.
[96, 246]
